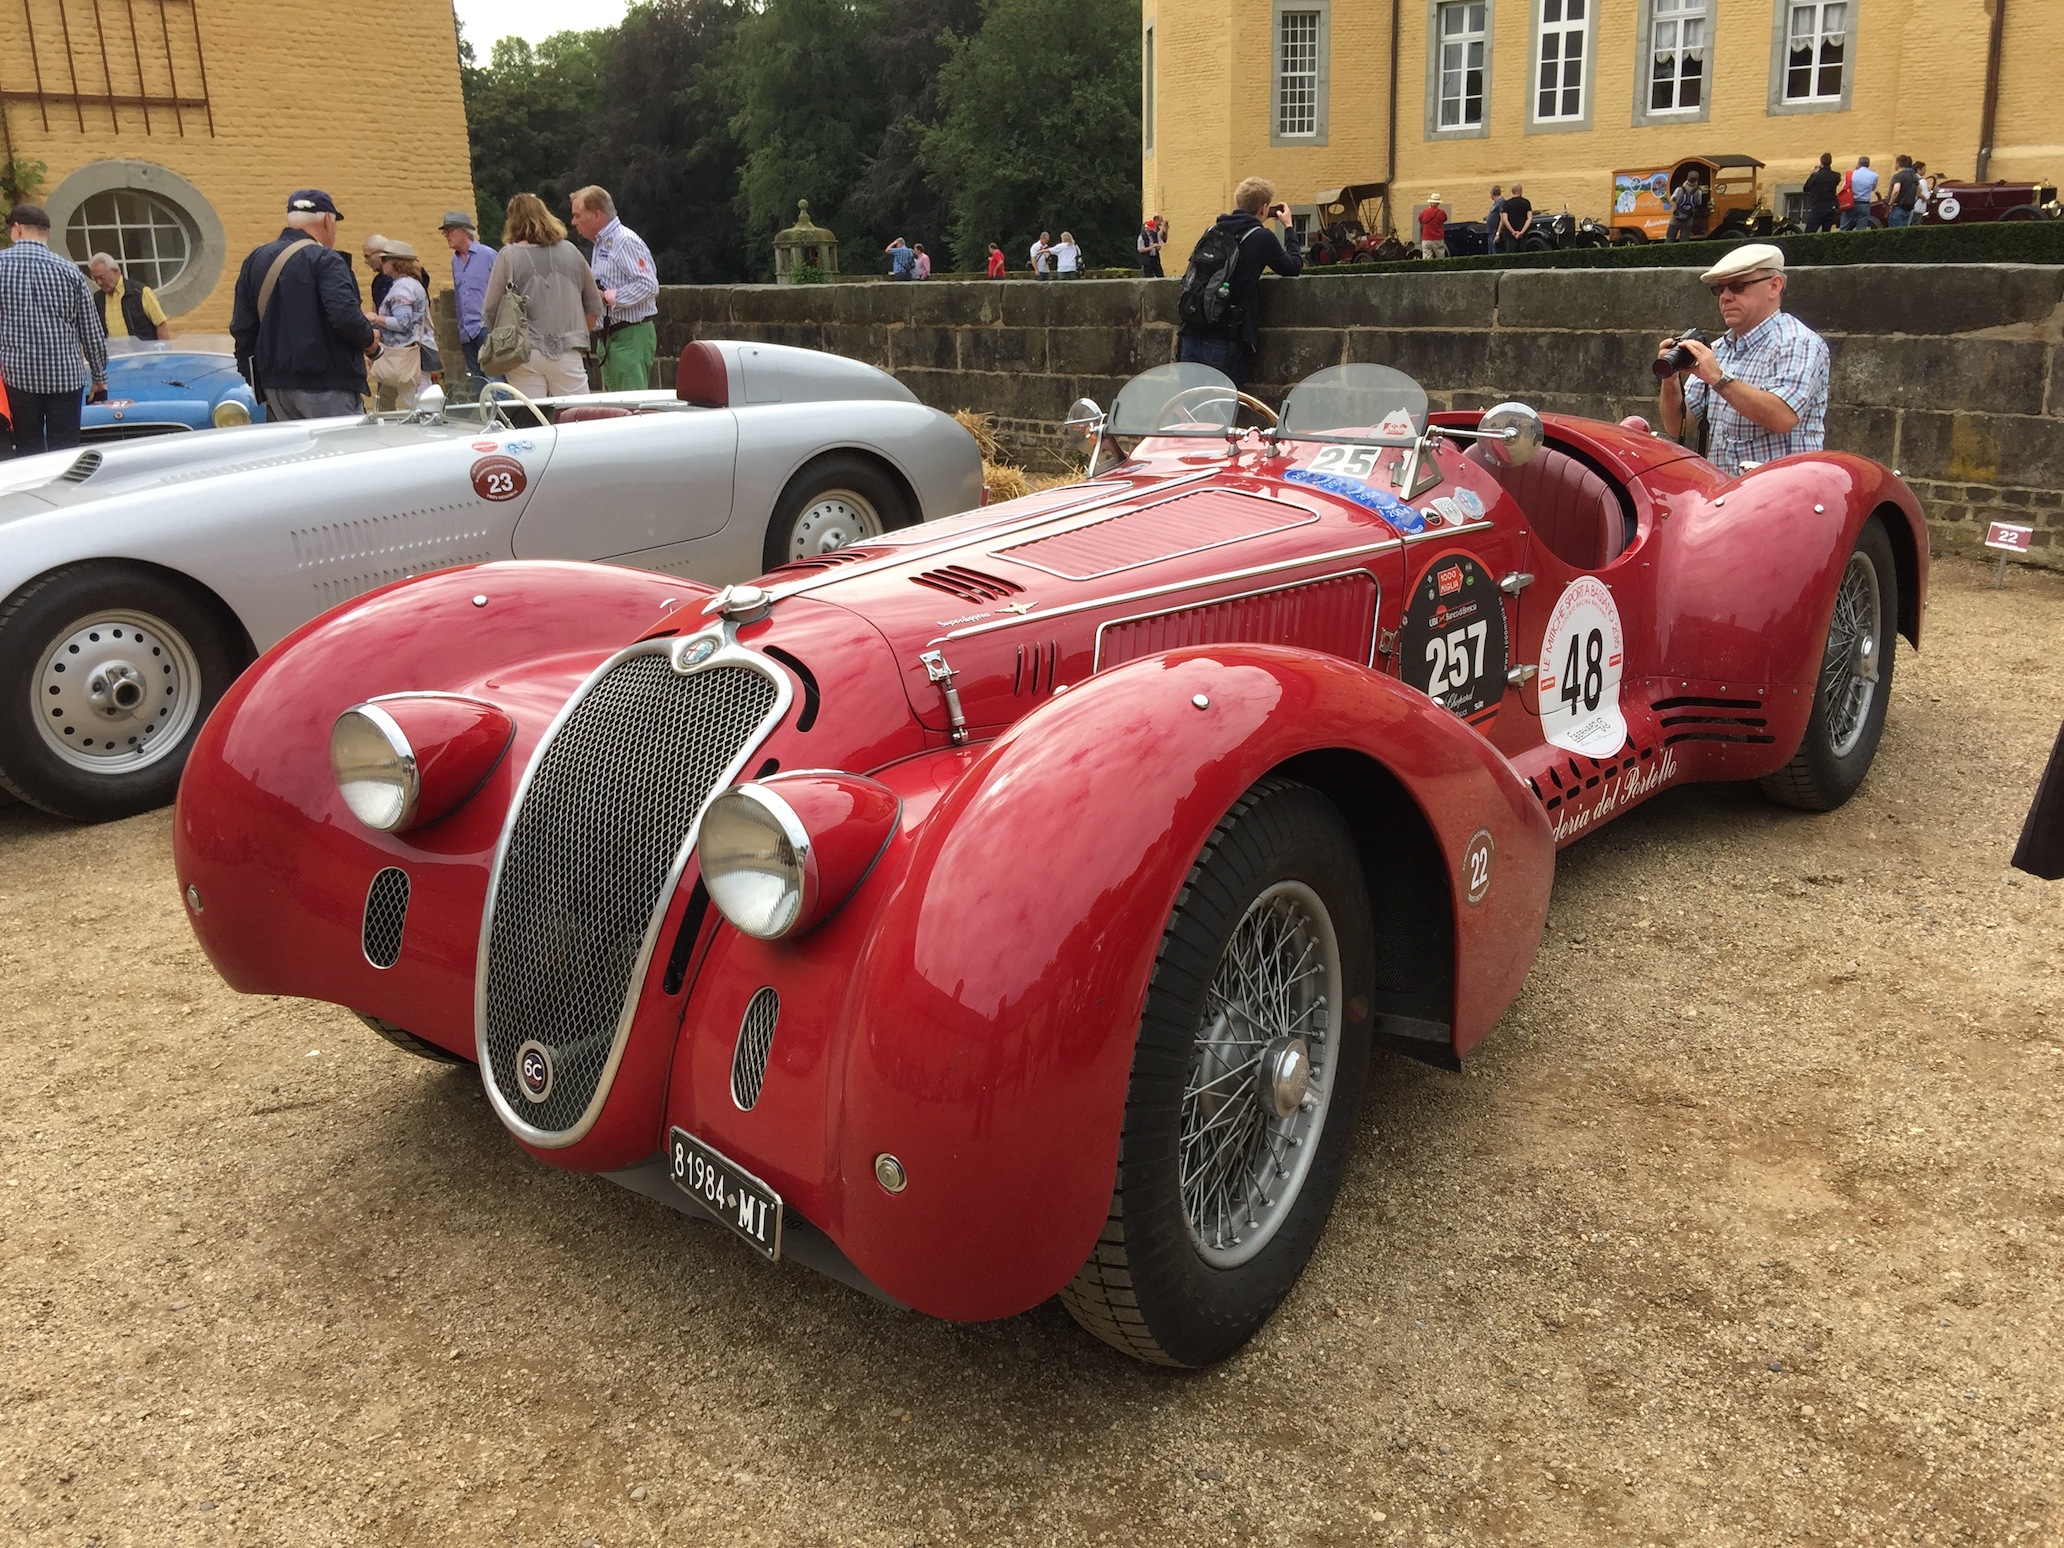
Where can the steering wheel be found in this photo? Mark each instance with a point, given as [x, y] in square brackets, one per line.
[1245, 400]
[494, 394]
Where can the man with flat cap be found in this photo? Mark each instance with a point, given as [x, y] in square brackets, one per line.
[298, 320]
[1762, 386]
[471, 262]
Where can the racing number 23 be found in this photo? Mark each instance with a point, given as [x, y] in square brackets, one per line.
[1450, 660]
[1583, 671]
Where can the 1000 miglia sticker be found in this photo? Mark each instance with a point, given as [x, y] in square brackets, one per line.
[1579, 682]
[1453, 646]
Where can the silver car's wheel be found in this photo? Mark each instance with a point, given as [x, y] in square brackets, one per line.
[116, 692]
[1261, 1076]
[1849, 669]
[837, 518]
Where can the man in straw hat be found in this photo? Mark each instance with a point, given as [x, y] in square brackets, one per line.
[1762, 387]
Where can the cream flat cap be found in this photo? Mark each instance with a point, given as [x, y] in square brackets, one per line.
[1756, 258]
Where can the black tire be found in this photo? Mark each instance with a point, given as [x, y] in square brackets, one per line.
[410, 1043]
[875, 501]
[1841, 733]
[79, 643]
[1154, 1286]
[2025, 212]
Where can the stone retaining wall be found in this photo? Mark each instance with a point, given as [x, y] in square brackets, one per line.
[1953, 374]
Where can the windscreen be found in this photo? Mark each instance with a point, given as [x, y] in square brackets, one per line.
[125, 348]
[1369, 405]
[1180, 399]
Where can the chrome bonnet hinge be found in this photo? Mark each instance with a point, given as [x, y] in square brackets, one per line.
[1512, 585]
[939, 672]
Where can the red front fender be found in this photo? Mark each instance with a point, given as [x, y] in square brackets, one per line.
[990, 1021]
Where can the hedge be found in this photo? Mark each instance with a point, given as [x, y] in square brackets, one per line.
[1999, 241]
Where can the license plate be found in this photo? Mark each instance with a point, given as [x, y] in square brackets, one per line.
[724, 1188]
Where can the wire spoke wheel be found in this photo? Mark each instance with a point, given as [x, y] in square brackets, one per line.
[1849, 670]
[1261, 1074]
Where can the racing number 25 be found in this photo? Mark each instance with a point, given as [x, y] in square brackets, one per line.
[1451, 660]
[1583, 680]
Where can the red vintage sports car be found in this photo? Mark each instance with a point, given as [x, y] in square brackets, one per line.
[1010, 906]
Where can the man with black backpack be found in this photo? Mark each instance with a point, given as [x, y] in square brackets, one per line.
[1219, 304]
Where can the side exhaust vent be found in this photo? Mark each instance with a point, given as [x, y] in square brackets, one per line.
[1712, 720]
[386, 914]
[755, 1041]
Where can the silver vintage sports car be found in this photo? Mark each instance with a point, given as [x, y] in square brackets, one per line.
[138, 579]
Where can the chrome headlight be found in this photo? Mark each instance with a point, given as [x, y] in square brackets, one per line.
[755, 860]
[230, 412]
[782, 854]
[375, 767]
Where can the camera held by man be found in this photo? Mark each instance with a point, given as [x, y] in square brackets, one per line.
[1762, 386]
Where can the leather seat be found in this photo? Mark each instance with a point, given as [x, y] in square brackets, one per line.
[1573, 511]
[584, 411]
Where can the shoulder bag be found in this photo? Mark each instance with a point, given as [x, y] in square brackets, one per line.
[506, 344]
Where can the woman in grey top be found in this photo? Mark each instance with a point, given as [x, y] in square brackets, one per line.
[559, 292]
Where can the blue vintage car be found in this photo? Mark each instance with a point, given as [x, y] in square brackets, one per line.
[156, 387]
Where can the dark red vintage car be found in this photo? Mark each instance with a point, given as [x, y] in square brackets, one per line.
[1011, 906]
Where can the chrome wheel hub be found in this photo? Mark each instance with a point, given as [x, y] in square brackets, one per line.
[116, 692]
[836, 519]
[1849, 669]
[1260, 1080]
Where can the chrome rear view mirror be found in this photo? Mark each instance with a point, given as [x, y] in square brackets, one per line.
[1513, 433]
[1084, 426]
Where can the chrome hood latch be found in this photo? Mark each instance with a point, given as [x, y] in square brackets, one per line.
[939, 672]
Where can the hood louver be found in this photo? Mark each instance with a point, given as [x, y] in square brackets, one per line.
[957, 580]
[85, 467]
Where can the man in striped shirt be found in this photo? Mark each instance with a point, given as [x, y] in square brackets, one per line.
[51, 340]
[1762, 387]
[630, 290]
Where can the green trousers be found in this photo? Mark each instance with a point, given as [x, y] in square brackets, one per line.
[626, 357]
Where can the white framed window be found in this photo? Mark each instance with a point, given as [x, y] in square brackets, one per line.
[1563, 41]
[1147, 89]
[1297, 74]
[147, 234]
[1677, 55]
[1816, 50]
[1461, 64]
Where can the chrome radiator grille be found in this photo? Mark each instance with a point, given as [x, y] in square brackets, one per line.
[611, 799]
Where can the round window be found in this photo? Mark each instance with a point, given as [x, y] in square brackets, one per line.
[148, 234]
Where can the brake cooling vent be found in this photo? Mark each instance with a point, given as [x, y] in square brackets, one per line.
[583, 879]
[1336, 616]
[957, 580]
[755, 1041]
[1712, 720]
[386, 914]
[86, 465]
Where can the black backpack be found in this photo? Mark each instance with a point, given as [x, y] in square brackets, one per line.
[1205, 302]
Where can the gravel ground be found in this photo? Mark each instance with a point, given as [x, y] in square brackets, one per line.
[1745, 1228]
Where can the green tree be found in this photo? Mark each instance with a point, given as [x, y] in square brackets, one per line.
[1039, 129]
[664, 147]
[528, 111]
[810, 108]
[912, 41]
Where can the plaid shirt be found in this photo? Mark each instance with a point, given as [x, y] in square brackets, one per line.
[51, 339]
[1780, 355]
[623, 263]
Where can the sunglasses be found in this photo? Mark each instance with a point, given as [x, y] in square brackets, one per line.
[1736, 287]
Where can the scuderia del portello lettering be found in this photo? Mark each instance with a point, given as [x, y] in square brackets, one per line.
[1621, 790]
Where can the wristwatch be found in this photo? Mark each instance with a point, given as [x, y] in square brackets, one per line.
[1724, 383]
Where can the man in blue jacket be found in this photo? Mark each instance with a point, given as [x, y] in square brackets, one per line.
[1230, 348]
[299, 324]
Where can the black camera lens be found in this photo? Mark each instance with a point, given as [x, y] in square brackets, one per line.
[1680, 358]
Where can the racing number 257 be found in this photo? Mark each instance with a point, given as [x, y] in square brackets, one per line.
[1583, 680]
[1451, 659]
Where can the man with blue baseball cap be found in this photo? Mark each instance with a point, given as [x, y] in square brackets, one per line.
[298, 320]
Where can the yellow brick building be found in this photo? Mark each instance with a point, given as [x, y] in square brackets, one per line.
[1454, 95]
[172, 131]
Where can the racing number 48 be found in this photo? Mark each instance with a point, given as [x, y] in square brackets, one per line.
[1451, 659]
[1583, 678]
